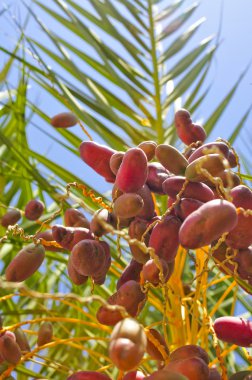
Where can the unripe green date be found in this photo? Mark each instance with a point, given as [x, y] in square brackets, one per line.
[21, 340]
[128, 205]
[149, 149]
[132, 173]
[25, 263]
[171, 159]
[213, 163]
[207, 223]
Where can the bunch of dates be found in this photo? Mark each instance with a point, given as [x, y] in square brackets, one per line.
[207, 205]
[14, 344]
[129, 341]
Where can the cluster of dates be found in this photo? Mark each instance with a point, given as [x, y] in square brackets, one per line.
[206, 201]
[128, 345]
[33, 211]
[15, 344]
[129, 341]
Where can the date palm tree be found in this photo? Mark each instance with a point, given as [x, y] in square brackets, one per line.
[123, 68]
